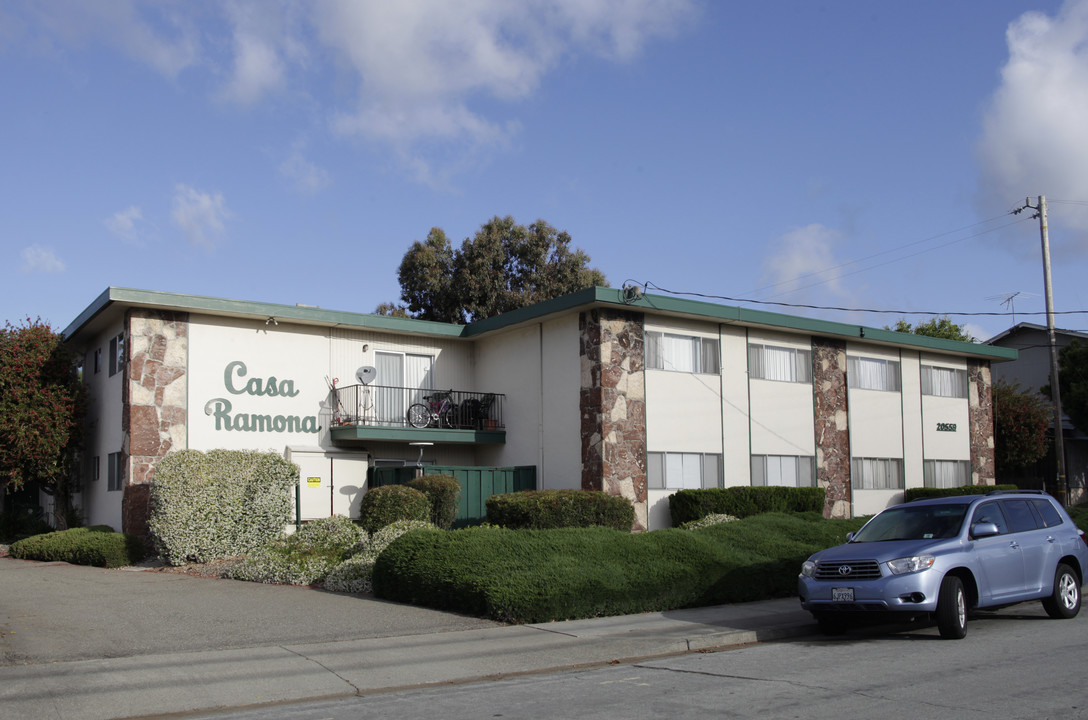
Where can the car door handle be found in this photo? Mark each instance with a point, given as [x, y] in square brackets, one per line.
[1050, 539]
[1014, 545]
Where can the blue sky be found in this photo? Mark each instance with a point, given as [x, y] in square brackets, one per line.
[839, 154]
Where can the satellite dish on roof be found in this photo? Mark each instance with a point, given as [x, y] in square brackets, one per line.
[366, 374]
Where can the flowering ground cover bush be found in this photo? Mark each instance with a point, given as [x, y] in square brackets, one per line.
[354, 575]
[305, 557]
[219, 504]
[709, 520]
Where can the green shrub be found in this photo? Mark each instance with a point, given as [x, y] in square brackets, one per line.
[443, 492]
[741, 502]
[99, 546]
[550, 509]
[924, 492]
[385, 505]
[222, 503]
[543, 575]
[354, 575]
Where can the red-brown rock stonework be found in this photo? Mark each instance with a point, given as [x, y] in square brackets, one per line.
[832, 425]
[981, 415]
[613, 406]
[155, 403]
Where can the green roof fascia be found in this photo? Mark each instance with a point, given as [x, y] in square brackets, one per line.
[243, 308]
[812, 326]
[731, 314]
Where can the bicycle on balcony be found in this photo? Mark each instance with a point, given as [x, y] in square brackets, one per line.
[439, 411]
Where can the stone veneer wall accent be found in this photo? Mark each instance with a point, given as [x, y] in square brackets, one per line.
[612, 402]
[980, 403]
[155, 414]
[832, 426]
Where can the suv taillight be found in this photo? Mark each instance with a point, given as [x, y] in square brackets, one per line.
[1082, 538]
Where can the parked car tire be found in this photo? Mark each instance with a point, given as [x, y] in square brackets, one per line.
[1064, 602]
[952, 609]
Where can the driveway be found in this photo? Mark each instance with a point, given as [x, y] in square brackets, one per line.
[52, 612]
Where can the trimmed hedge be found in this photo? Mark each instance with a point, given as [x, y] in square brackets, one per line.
[443, 492]
[916, 493]
[386, 505]
[218, 504]
[741, 502]
[551, 509]
[99, 546]
[539, 576]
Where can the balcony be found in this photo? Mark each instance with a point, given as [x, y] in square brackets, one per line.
[399, 414]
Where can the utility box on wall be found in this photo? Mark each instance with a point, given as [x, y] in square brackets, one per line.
[330, 482]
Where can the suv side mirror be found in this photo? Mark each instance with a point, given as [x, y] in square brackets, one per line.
[984, 529]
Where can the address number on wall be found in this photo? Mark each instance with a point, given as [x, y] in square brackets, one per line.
[946, 427]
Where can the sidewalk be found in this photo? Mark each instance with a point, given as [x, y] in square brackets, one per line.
[428, 647]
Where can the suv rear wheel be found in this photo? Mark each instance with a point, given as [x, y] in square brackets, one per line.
[952, 608]
[1064, 602]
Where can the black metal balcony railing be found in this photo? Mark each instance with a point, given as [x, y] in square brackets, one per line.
[417, 408]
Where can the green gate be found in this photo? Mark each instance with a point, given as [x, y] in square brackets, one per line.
[477, 485]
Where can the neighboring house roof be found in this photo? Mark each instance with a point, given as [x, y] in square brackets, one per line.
[1003, 338]
[91, 318]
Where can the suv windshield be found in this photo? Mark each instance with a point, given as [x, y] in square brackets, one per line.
[922, 522]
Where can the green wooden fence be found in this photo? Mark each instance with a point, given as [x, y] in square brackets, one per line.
[477, 485]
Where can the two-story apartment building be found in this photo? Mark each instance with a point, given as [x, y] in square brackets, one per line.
[638, 395]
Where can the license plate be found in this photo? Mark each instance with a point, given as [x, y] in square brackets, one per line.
[842, 594]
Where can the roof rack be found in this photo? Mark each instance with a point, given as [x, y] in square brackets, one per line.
[1017, 492]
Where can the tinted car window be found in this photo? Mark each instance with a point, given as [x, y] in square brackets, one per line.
[1020, 515]
[990, 513]
[1047, 512]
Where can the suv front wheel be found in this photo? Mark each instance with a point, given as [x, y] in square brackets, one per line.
[1064, 602]
[952, 608]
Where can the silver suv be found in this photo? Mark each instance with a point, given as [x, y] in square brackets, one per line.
[947, 556]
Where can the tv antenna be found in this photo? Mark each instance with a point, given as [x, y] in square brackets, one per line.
[1009, 301]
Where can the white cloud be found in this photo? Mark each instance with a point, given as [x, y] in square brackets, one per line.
[200, 215]
[157, 34]
[419, 62]
[303, 174]
[38, 259]
[123, 224]
[416, 72]
[803, 259]
[1033, 140]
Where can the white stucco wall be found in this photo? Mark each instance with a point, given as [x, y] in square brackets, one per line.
[99, 505]
[736, 423]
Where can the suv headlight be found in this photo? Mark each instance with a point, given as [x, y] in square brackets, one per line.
[808, 568]
[900, 566]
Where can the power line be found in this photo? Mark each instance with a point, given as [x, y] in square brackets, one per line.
[726, 298]
[817, 273]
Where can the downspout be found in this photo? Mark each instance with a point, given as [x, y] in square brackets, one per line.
[540, 404]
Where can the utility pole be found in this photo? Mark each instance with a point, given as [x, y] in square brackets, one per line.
[1055, 385]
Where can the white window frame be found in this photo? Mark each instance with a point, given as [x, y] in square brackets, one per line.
[683, 471]
[779, 363]
[946, 473]
[947, 382]
[869, 373]
[681, 353]
[783, 471]
[876, 473]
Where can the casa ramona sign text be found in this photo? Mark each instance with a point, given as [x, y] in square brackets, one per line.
[237, 382]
